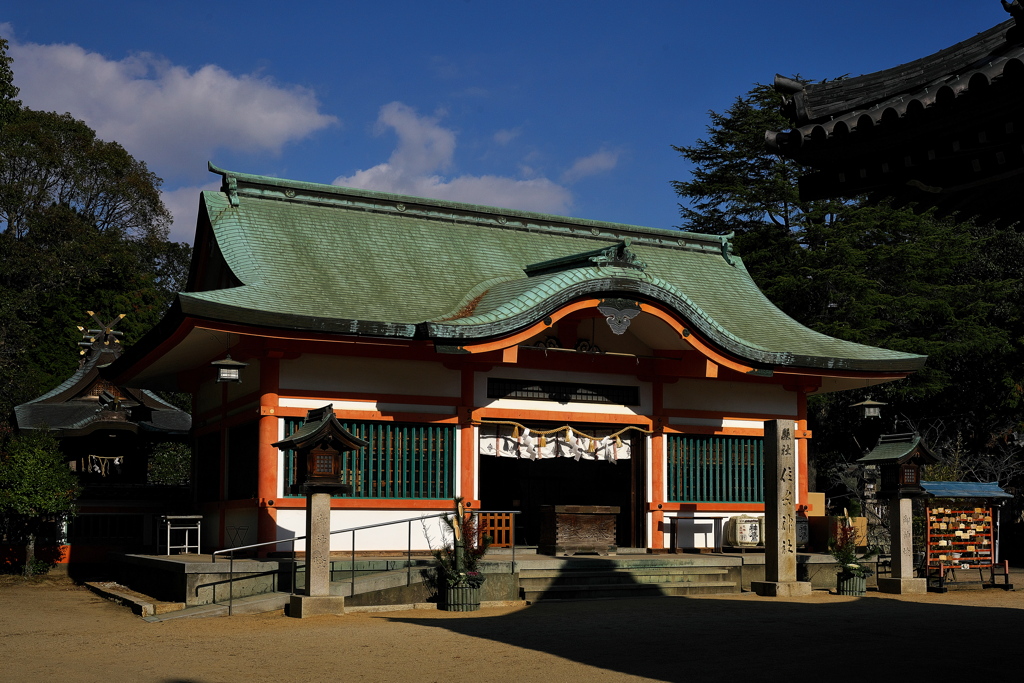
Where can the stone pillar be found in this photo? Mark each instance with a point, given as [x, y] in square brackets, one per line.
[901, 540]
[780, 513]
[318, 544]
[318, 598]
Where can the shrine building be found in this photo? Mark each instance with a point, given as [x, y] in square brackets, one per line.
[515, 359]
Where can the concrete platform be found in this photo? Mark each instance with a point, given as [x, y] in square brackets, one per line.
[192, 581]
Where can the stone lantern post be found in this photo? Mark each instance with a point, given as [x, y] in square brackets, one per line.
[900, 458]
[319, 444]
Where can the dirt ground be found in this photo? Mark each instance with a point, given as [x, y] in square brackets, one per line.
[51, 629]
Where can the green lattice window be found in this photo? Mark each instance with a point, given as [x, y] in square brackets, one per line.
[715, 469]
[403, 460]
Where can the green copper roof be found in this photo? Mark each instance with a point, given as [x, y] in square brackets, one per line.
[895, 447]
[331, 259]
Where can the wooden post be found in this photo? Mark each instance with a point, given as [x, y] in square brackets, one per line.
[780, 513]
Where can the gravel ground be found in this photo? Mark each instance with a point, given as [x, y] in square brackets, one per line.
[52, 629]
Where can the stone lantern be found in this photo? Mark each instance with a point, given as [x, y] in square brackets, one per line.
[320, 443]
[900, 458]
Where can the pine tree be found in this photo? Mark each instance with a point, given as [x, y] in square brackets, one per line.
[869, 272]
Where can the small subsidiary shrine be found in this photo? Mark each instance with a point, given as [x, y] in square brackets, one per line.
[516, 359]
[106, 433]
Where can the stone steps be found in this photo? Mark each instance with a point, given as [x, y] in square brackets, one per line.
[582, 583]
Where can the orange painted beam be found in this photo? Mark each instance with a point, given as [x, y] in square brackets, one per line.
[562, 417]
[721, 431]
[694, 340]
[537, 328]
[370, 396]
[708, 507]
[299, 502]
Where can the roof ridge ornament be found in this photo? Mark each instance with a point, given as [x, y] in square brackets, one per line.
[726, 240]
[618, 254]
[103, 338]
[229, 185]
[1015, 10]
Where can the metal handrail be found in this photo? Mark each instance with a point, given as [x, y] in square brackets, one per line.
[353, 530]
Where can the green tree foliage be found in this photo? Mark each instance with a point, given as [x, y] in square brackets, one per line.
[170, 464]
[872, 273]
[82, 227]
[9, 104]
[35, 484]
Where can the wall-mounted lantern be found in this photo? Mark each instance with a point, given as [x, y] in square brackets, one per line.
[320, 444]
[228, 369]
[870, 408]
[900, 457]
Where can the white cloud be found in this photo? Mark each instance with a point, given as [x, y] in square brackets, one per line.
[507, 135]
[598, 162]
[172, 118]
[425, 149]
[183, 203]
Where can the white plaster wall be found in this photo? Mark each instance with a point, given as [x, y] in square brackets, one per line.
[482, 401]
[393, 537]
[240, 527]
[700, 529]
[368, 375]
[372, 406]
[649, 483]
[730, 397]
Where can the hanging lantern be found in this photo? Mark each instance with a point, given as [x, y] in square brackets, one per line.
[228, 369]
[870, 408]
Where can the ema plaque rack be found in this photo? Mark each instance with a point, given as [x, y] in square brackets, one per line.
[961, 539]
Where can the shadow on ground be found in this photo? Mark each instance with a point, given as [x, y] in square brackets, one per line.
[672, 639]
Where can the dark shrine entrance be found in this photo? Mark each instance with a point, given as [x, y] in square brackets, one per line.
[525, 485]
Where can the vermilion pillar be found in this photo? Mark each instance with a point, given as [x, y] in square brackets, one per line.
[467, 444]
[656, 495]
[266, 486]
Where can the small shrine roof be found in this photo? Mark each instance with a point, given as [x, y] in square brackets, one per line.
[893, 448]
[321, 423]
[68, 410]
[286, 254]
[964, 489]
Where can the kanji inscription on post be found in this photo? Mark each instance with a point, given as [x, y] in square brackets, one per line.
[780, 501]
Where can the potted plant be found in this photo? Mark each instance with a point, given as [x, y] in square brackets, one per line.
[853, 573]
[457, 577]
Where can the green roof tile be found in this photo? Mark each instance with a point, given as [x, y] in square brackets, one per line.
[352, 261]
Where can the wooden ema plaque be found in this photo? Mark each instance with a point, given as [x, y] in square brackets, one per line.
[571, 529]
[959, 538]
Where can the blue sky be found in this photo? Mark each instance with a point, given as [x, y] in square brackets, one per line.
[561, 107]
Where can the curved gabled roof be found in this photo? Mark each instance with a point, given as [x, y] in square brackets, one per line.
[987, 55]
[66, 410]
[942, 130]
[322, 258]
